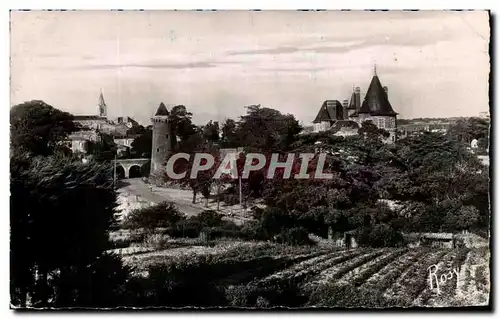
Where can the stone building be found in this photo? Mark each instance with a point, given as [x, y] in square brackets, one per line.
[330, 112]
[163, 142]
[374, 107]
[94, 125]
[94, 122]
[80, 140]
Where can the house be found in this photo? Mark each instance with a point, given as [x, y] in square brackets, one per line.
[435, 240]
[80, 140]
[375, 107]
[124, 140]
[345, 128]
[330, 112]
[94, 125]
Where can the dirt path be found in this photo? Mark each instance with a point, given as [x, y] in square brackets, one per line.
[182, 199]
[135, 186]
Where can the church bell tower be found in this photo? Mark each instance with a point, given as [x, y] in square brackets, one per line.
[102, 106]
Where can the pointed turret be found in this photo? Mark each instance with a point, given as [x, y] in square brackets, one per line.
[352, 102]
[162, 110]
[330, 111]
[376, 101]
[102, 105]
[163, 142]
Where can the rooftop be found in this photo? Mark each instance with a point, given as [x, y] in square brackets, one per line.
[376, 101]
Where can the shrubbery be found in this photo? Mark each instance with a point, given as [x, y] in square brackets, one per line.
[164, 214]
[193, 226]
[379, 235]
[189, 228]
[284, 294]
[294, 236]
[331, 295]
[157, 241]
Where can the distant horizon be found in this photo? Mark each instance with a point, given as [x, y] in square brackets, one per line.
[169, 107]
[434, 63]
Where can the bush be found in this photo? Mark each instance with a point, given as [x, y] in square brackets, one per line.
[380, 235]
[137, 237]
[209, 218]
[189, 228]
[164, 214]
[184, 284]
[283, 294]
[229, 198]
[294, 236]
[332, 295]
[212, 233]
[157, 241]
[192, 226]
[121, 243]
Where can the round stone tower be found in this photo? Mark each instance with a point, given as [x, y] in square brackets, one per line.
[163, 141]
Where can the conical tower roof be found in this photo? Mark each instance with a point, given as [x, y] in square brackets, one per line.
[162, 110]
[352, 102]
[376, 101]
[101, 100]
[101, 105]
[328, 111]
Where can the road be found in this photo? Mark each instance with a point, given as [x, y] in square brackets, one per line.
[181, 198]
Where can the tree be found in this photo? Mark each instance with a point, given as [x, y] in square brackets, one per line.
[181, 122]
[229, 139]
[103, 150]
[39, 128]
[435, 177]
[137, 130]
[142, 144]
[267, 129]
[61, 210]
[371, 131]
[465, 130]
[211, 132]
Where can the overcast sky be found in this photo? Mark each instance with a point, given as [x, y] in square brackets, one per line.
[436, 64]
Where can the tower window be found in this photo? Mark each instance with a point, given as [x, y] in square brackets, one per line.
[158, 150]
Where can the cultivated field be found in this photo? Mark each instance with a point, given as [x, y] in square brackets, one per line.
[265, 274]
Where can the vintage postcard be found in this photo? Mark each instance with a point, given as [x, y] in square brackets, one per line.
[250, 159]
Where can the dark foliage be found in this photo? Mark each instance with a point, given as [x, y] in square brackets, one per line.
[60, 213]
[294, 236]
[164, 214]
[39, 128]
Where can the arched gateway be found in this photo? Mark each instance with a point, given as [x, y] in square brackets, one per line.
[131, 168]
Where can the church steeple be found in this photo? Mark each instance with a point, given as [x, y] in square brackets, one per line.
[102, 105]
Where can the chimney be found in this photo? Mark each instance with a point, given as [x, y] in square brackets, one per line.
[357, 94]
[385, 89]
[345, 104]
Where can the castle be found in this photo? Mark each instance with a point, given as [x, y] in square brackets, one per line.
[345, 118]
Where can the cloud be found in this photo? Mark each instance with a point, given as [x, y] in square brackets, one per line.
[278, 50]
[347, 44]
[308, 70]
[158, 65]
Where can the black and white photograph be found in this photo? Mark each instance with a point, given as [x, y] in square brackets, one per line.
[250, 159]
